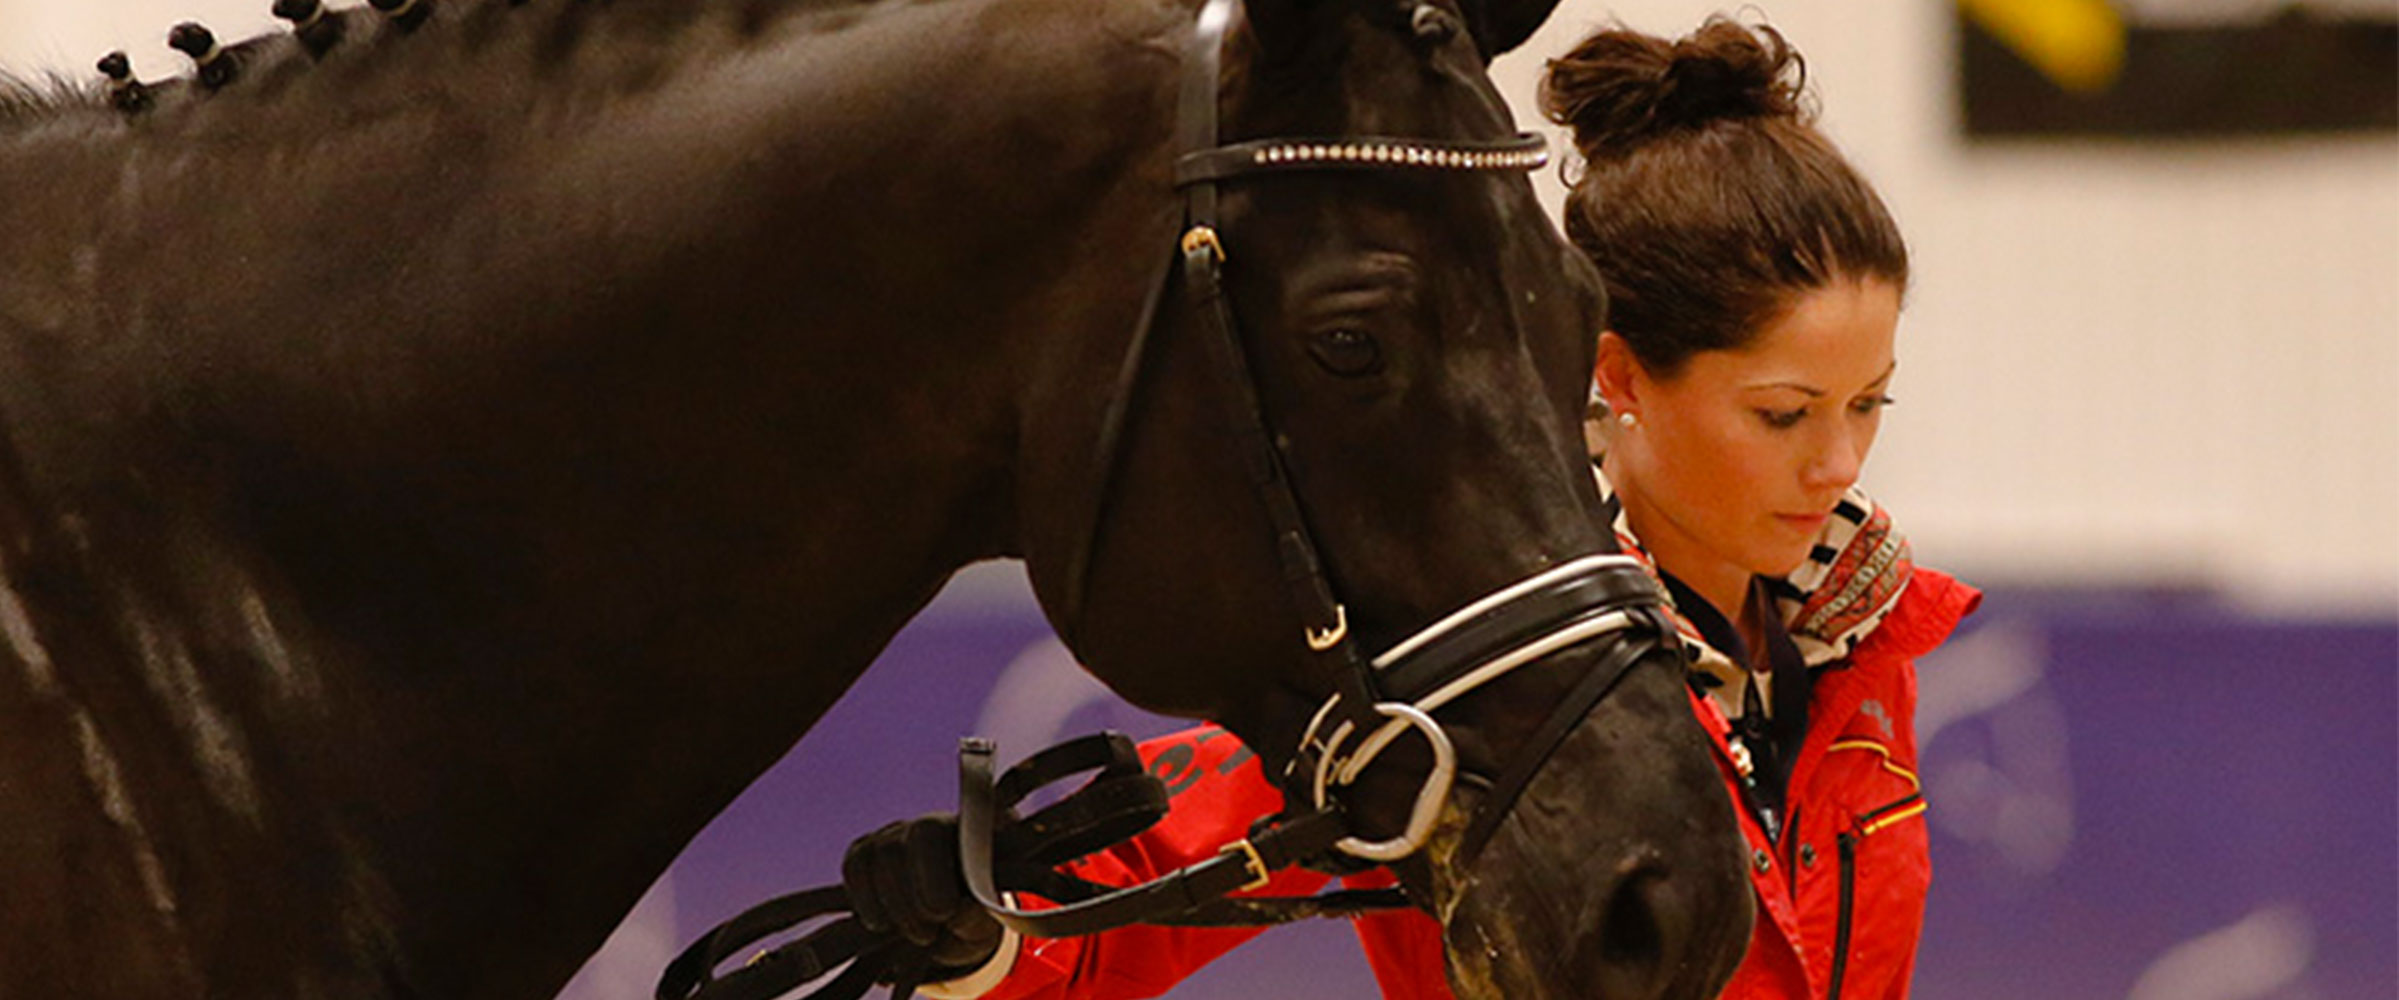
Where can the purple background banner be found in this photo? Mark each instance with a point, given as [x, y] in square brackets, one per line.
[2136, 796]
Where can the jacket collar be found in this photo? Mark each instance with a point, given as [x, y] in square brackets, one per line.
[1837, 596]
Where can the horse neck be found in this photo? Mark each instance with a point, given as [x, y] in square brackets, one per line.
[476, 584]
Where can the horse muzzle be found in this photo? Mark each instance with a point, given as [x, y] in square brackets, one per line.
[1606, 600]
[1602, 858]
[1632, 888]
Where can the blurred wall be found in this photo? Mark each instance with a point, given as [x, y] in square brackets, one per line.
[2160, 364]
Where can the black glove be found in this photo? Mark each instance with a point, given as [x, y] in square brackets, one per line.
[904, 879]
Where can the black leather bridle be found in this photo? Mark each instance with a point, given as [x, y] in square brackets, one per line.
[1376, 701]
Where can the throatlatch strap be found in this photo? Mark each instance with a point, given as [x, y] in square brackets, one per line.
[1100, 487]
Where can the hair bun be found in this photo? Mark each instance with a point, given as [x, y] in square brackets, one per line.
[1621, 88]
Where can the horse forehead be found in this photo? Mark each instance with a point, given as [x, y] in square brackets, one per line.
[1392, 75]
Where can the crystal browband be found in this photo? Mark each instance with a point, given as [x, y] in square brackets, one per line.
[1525, 152]
[1411, 156]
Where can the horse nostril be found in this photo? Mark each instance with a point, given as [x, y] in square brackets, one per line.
[1632, 941]
[1632, 935]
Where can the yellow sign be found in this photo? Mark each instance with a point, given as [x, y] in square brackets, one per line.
[2079, 44]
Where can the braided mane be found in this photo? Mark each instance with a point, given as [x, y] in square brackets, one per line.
[457, 52]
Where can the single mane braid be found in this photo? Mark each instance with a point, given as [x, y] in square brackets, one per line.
[209, 62]
[317, 31]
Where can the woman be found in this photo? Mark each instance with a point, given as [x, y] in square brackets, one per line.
[1755, 283]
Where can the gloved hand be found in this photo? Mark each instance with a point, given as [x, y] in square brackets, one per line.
[905, 879]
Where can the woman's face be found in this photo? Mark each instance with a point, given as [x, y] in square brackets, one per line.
[1738, 459]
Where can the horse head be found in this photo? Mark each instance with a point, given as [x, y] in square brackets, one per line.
[1388, 438]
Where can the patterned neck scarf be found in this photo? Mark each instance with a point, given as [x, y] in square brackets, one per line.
[1849, 582]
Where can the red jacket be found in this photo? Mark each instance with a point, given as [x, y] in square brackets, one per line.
[1848, 920]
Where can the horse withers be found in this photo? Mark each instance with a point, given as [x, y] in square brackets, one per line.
[444, 459]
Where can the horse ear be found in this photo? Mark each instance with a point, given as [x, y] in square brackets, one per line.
[1497, 25]
[1501, 25]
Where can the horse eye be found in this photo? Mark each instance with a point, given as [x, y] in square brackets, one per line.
[1346, 352]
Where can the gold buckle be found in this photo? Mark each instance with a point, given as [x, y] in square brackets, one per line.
[1256, 865]
[1203, 236]
[1324, 639]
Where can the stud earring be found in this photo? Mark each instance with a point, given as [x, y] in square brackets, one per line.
[1629, 419]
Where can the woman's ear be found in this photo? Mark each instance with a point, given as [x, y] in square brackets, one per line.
[1616, 375]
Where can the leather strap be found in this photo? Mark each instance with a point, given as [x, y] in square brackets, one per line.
[1122, 800]
[773, 973]
[1243, 865]
[1525, 150]
[1521, 620]
[1100, 484]
[1320, 612]
[1624, 653]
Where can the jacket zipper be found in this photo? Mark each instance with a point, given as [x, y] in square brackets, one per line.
[1848, 844]
[1849, 887]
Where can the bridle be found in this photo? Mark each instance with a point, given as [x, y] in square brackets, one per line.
[1376, 701]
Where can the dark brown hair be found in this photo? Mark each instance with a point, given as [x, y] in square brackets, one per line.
[1708, 198]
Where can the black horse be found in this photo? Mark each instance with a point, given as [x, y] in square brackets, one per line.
[445, 455]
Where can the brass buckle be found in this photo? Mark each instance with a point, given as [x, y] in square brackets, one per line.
[1324, 639]
[1203, 236]
[1251, 861]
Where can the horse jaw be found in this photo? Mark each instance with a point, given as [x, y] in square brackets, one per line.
[1586, 891]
